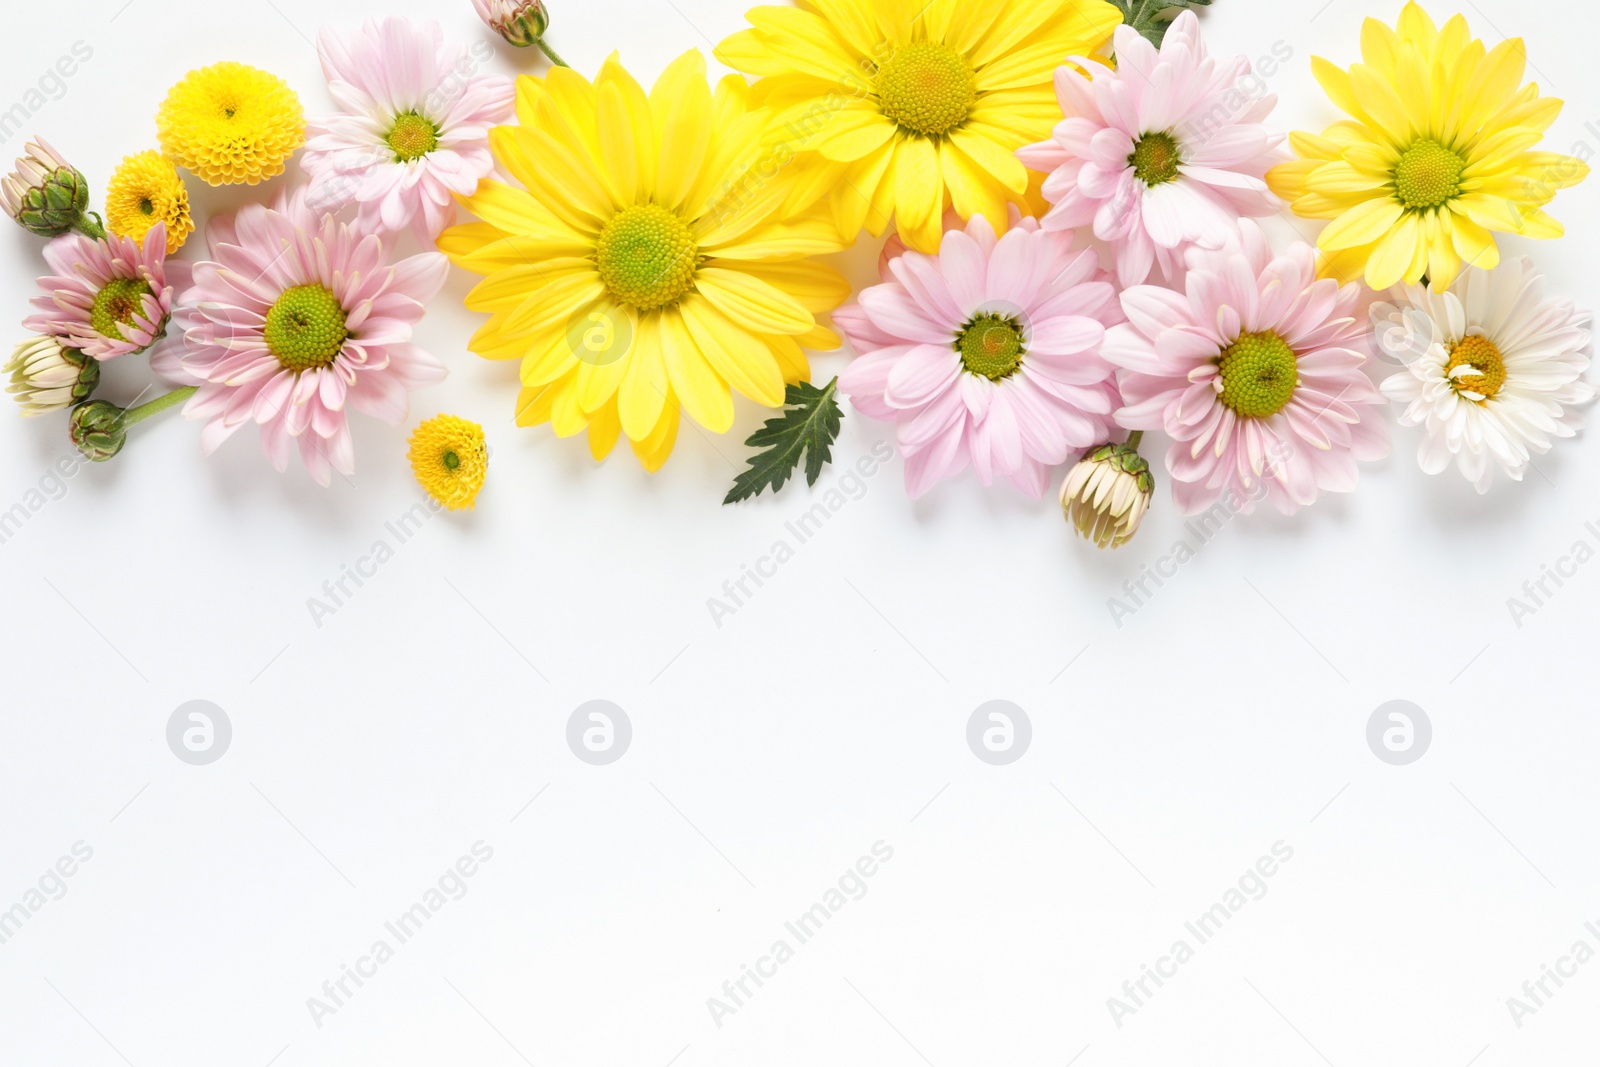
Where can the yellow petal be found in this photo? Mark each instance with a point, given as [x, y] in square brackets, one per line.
[918, 194]
[752, 302]
[515, 211]
[1392, 257]
[701, 390]
[644, 389]
[1474, 244]
[1382, 106]
[992, 160]
[1361, 225]
[640, 119]
[555, 302]
[852, 198]
[744, 362]
[816, 286]
[506, 289]
[617, 143]
[791, 358]
[604, 427]
[681, 104]
[1336, 83]
[534, 404]
[653, 451]
[970, 194]
[853, 133]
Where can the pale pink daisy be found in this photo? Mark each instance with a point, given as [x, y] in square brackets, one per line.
[986, 354]
[412, 130]
[1255, 371]
[1162, 154]
[110, 297]
[295, 319]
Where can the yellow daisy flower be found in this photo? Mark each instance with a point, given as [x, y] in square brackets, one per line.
[146, 189]
[651, 259]
[1436, 160]
[231, 124]
[915, 106]
[450, 459]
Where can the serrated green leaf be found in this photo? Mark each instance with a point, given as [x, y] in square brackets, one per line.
[808, 426]
[1152, 17]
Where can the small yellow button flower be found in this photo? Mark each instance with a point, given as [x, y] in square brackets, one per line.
[146, 189]
[231, 124]
[450, 459]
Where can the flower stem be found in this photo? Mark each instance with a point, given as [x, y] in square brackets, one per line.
[1134, 438]
[551, 52]
[157, 406]
[91, 225]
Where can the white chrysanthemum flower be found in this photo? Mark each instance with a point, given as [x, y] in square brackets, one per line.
[1493, 373]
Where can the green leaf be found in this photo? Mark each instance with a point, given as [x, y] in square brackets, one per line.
[808, 425]
[1152, 17]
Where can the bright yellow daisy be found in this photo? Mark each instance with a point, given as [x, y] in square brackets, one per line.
[917, 106]
[653, 256]
[146, 189]
[1437, 159]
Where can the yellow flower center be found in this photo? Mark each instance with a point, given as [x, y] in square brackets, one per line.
[647, 257]
[1258, 375]
[927, 88]
[991, 346]
[306, 328]
[1428, 175]
[116, 304]
[1482, 357]
[412, 137]
[1155, 158]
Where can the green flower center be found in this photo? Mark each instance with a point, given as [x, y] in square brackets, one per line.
[147, 207]
[1155, 158]
[1483, 356]
[412, 137]
[116, 305]
[1428, 174]
[451, 461]
[991, 346]
[646, 257]
[1258, 375]
[927, 88]
[305, 329]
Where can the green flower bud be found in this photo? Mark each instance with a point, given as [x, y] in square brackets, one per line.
[47, 195]
[520, 22]
[99, 429]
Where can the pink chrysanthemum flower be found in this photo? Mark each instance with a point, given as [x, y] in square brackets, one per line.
[412, 130]
[1256, 372]
[986, 353]
[1162, 154]
[295, 318]
[109, 298]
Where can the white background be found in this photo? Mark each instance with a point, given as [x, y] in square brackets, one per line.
[769, 754]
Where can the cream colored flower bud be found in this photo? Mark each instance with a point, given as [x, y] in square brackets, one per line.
[1106, 495]
[45, 376]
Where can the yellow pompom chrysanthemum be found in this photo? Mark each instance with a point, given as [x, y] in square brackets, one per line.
[450, 459]
[652, 258]
[913, 106]
[146, 189]
[1436, 160]
[231, 124]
